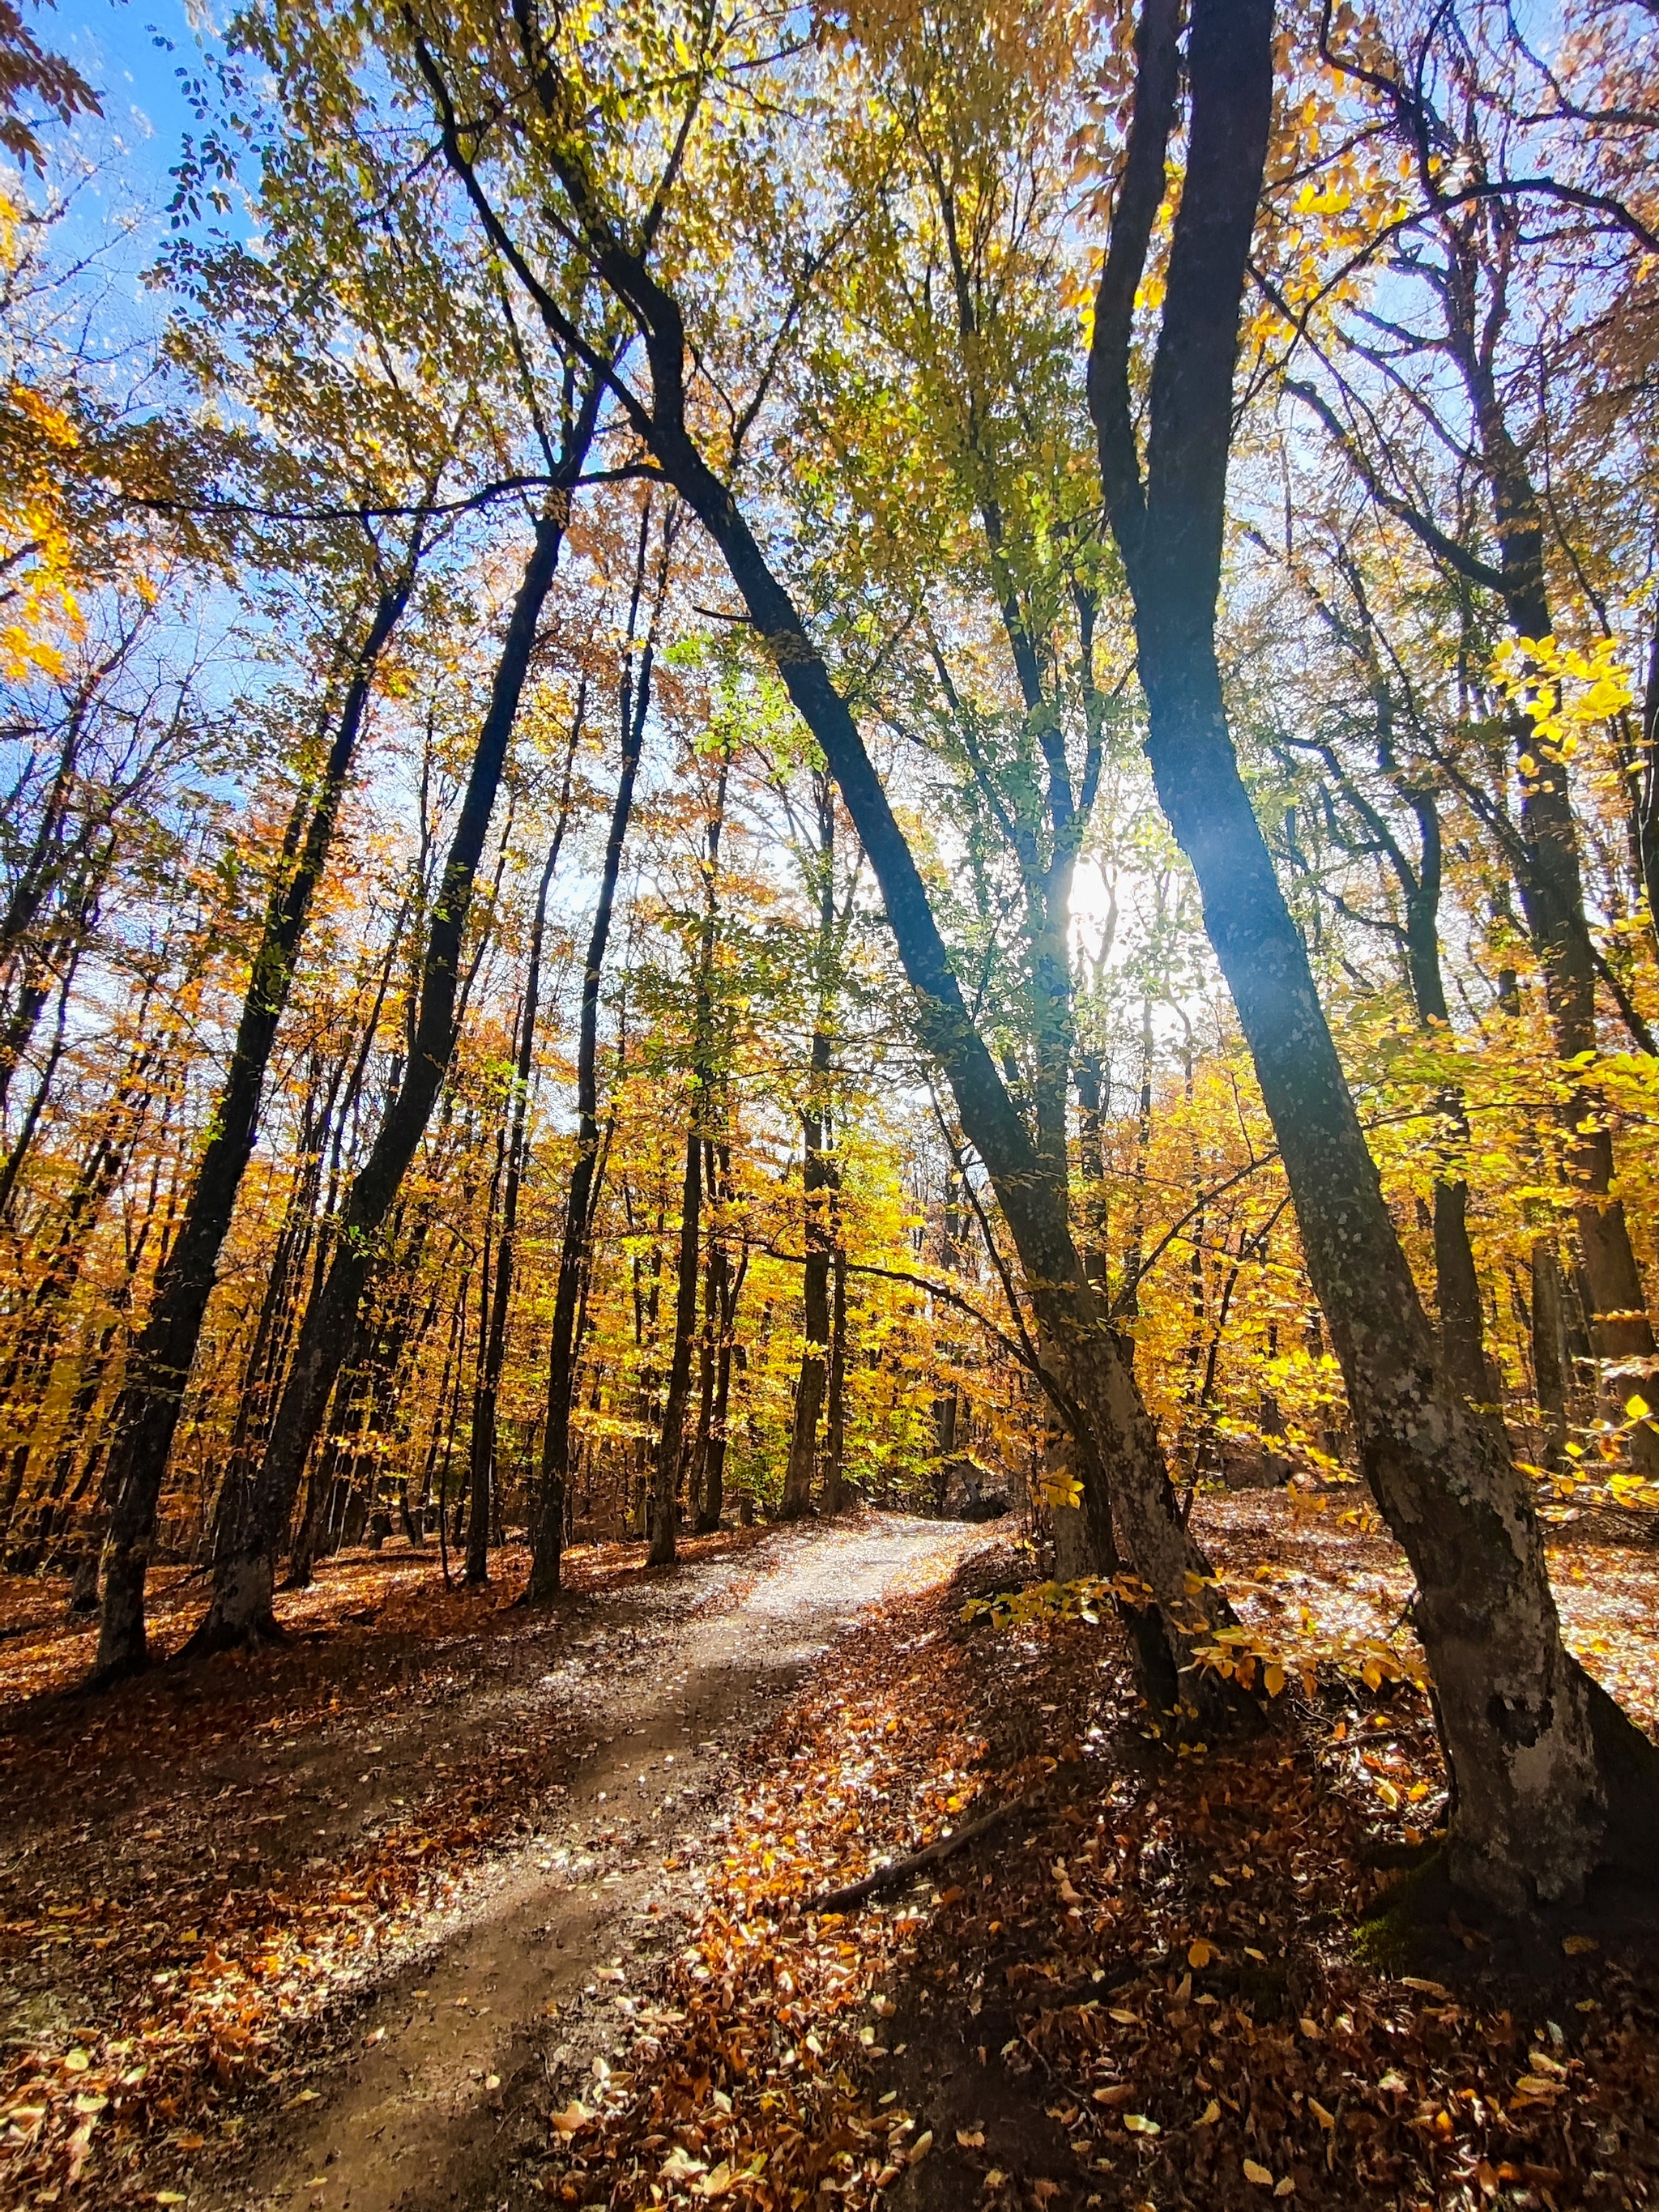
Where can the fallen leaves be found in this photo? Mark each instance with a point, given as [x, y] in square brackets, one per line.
[1184, 2008]
[1183, 2026]
[205, 1983]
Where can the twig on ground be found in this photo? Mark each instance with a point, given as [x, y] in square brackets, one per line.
[900, 1870]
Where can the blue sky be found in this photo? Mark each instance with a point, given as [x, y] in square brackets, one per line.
[133, 52]
[114, 44]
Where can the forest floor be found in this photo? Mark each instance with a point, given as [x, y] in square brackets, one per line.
[448, 1904]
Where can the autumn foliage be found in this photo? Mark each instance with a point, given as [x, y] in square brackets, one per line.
[759, 763]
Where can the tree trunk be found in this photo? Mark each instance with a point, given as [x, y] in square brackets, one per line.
[1551, 1366]
[1092, 1080]
[834, 1430]
[1540, 1757]
[1553, 899]
[730, 1285]
[815, 1285]
[147, 1414]
[713, 1273]
[548, 1520]
[29, 1367]
[241, 1607]
[670, 1451]
[1094, 1385]
[671, 1443]
[494, 1343]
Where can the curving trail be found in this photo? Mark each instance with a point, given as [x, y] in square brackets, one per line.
[439, 2089]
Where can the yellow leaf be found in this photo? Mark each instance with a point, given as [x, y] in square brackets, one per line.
[1325, 2119]
[1200, 1951]
[1273, 1674]
[1209, 2116]
[1259, 2174]
[1579, 1947]
[1286, 2188]
[919, 2149]
[1138, 2125]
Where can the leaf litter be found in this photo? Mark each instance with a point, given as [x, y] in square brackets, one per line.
[170, 1947]
[1210, 1977]
[1167, 1980]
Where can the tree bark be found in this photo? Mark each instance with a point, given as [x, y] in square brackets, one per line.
[1551, 884]
[240, 1610]
[815, 1286]
[835, 1428]
[485, 1400]
[547, 1527]
[1544, 1767]
[670, 1441]
[817, 1181]
[147, 1413]
[726, 1286]
[671, 1449]
[1094, 1383]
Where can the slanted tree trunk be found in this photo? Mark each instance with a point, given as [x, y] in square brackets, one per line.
[1094, 1385]
[241, 1605]
[1480, 237]
[1546, 1771]
[1457, 1286]
[146, 1412]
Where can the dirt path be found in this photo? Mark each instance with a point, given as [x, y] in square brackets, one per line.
[439, 2083]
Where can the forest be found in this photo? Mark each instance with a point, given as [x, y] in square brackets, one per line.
[829, 947]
